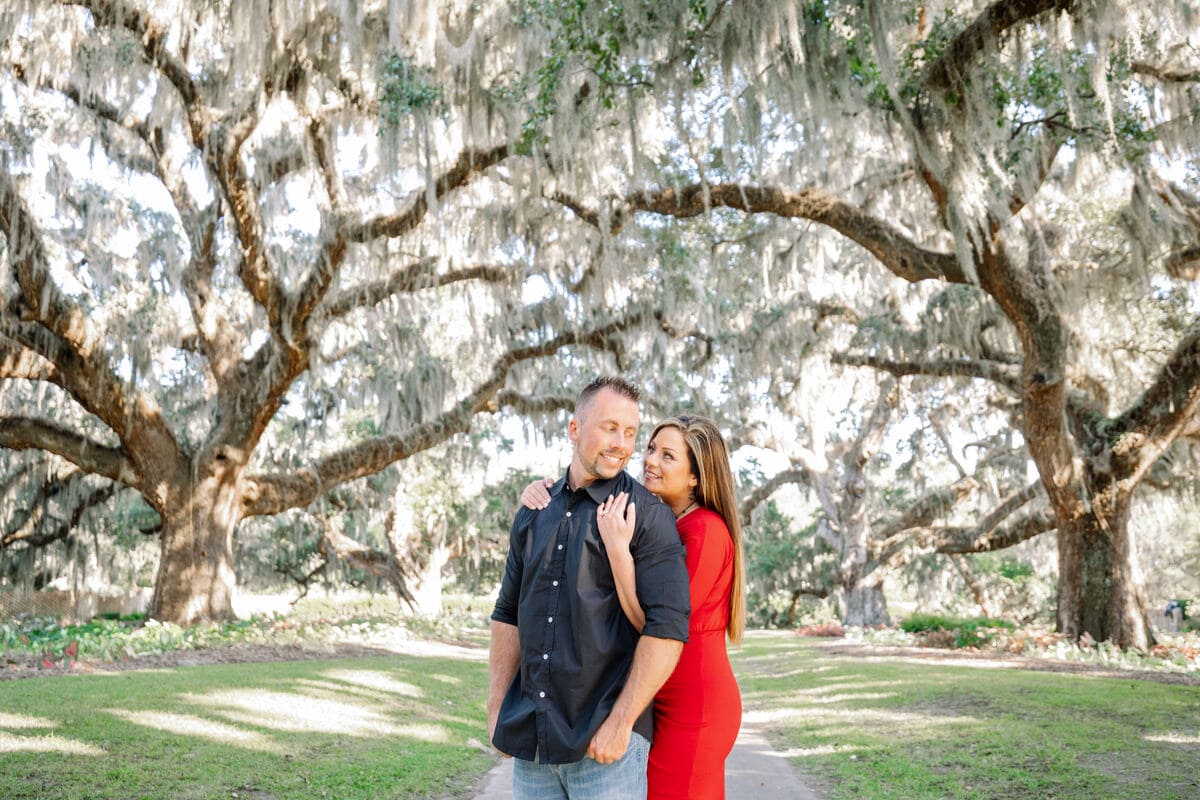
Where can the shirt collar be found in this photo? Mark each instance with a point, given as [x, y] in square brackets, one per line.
[598, 490]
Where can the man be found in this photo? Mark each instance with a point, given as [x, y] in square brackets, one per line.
[570, 679]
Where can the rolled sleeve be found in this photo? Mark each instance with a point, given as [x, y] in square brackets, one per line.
[508, 600]
[660, 564]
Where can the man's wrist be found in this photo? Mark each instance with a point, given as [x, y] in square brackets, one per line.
[620, 715]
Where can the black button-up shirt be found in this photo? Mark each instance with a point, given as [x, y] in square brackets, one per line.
[576, 643]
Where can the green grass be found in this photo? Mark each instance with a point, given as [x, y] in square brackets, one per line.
[890, 728]
[379, 727]
[412, 727]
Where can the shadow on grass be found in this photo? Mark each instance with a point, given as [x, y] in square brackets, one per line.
[395, 726]
[883, 728]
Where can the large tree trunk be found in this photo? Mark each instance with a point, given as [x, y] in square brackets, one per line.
[865, 604]
[196, 578]
[1099, 583]
[1128, 610]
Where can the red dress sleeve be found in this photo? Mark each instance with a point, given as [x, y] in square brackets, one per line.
[710, 568]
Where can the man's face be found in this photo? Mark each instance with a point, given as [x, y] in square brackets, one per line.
[602, 435]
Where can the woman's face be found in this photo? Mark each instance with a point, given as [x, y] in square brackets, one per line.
[666, 469]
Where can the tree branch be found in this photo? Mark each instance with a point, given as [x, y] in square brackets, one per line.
[27, 433]
[471, 164]
[986, 535]
[421, 275]
[1166, 410]
[220, 146]
[871, 434]
[693, 333]
[1166, 74]
[113, 14]
[1005, 375]
[215, 332]
[271, 494]
[762, 492]
[358, 556]
[41, 299]
[1184, 264]
[526, 405]
[951, 540]
[30, 534]
[61, 333]
[899, 254]
[18, 362]
[924, 511]
[225, 152]
[948, 73]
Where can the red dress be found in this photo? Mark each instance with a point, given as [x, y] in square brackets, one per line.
[698, 710]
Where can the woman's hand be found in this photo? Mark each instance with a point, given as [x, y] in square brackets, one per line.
[537, 494]
[616, 519]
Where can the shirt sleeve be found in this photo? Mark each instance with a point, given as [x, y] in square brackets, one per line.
[514, 567]
[661, 572]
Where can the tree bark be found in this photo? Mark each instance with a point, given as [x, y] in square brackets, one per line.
[1100, 582]
[196, 576]
[865, 605]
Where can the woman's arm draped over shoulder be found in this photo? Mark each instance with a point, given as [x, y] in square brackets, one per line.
[616, 519]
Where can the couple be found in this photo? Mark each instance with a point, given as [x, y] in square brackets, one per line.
[593, 613]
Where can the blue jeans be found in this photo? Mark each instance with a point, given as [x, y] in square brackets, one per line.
[624, 779]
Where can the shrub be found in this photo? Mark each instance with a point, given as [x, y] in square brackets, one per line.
[939, 631]
[830, 629]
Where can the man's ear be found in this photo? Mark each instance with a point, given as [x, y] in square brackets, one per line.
[573, 430]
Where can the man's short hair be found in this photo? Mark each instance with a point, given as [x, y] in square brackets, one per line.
[610, 382]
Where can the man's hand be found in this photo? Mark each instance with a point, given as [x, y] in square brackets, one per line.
[652, 664]
[610, 742]
[493, 718]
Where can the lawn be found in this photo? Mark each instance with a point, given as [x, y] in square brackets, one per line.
[411, 726]
[895, 728]
[378, 727]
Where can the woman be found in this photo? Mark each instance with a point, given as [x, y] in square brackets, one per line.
[698, 711]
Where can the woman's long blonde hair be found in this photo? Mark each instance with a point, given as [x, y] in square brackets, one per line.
[709, 458]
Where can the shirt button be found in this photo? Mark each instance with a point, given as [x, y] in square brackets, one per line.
[549, 619]
[560, 547]
[541, 694]
[568, 513]
[554, 583]
[545, 656]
